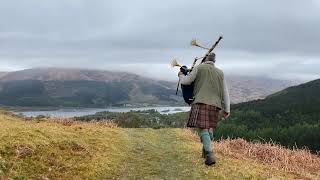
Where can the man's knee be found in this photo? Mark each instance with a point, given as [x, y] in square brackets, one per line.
[206, 131]
[203, 130]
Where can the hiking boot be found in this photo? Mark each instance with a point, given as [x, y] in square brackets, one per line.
[210, 159]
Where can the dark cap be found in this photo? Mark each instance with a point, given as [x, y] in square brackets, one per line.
[211, 57]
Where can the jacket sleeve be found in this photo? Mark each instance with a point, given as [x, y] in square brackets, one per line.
[187, 80]
[226, 97]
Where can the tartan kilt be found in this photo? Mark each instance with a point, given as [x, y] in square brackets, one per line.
[203, 116]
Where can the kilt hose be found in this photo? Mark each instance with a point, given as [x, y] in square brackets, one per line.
[203, 116]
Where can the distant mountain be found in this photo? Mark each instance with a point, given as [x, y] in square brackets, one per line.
[97, 88]
[65, 74]
[247, 88]
[2, 74]
[82, 88]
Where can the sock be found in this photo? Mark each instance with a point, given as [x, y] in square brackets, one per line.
[211, 135]
[206, 141]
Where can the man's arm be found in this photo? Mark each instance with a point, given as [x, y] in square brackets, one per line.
[226, 97]
[187, 80]
[226, 100]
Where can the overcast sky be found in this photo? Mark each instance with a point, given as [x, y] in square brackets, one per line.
[279, 39]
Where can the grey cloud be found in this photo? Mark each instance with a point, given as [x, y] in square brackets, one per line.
[47, 33]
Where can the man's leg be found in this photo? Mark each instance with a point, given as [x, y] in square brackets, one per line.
[206, 140]
[207, 146]
[211, 134]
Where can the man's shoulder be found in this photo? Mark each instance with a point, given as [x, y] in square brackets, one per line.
[219, 70]
[206, 66]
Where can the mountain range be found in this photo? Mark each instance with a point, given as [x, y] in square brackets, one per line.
[98, 88]
[247, 88]
[2, 74]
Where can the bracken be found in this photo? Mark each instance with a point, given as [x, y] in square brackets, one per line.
[271, 154]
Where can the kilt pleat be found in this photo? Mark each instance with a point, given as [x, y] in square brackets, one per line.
[203, 116]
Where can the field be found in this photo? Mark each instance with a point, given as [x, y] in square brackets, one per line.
[73, 150]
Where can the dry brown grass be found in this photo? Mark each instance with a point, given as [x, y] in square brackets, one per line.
[270, 154]
[64, 121]
[8, 113]
[23, 151]
[70, 121]
[107, 124]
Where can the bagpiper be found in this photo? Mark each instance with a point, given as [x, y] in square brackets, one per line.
[210, 97]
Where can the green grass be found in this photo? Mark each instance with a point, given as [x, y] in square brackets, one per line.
[31, 150]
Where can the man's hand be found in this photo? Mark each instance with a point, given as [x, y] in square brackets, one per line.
[226, 115]
[184, 70]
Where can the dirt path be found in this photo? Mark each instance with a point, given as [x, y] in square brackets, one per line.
[169, 154]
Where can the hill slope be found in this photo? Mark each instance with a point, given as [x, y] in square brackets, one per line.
[290, 117]
[33, 149]
[303, 99]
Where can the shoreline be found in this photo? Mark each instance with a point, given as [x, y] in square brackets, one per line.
[23, 109]
[76, 112]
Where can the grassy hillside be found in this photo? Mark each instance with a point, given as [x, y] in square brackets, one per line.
[69, 150]
[290, 117]
[303, 98]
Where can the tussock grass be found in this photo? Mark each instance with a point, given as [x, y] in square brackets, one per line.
[70, 121]
[66, 149]
[271, 154]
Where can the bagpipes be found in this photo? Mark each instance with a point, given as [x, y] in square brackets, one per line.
[187, 90]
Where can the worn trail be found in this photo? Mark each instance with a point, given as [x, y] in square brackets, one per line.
[172, 154]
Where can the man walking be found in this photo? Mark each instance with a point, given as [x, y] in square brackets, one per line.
[210, 96]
